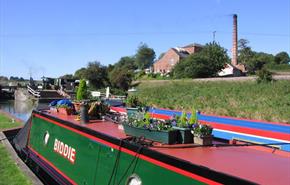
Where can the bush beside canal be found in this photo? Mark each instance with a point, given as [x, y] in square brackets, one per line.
[264, 101]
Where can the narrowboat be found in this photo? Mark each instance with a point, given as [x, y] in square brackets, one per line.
[99, 152]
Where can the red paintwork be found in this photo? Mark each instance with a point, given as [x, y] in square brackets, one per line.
[249, 163]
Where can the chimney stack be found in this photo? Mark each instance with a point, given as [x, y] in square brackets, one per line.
[235, 41]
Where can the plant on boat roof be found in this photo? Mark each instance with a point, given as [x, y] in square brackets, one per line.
[133, 101]
[182, 121]
[63, 106]
[144, 120]
[82, 90]
[202, 130]
[193, 117]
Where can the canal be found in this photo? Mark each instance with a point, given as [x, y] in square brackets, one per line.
[19, 109]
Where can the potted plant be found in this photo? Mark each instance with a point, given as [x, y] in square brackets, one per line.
[202, 134]
[184, 126]
[141, 124]
[82, 94]
[64, 109]
[133, 104]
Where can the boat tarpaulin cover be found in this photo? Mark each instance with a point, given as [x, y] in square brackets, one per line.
[20, 140]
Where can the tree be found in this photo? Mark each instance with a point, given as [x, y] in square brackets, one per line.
[144, 56]
[206, 63]
[121, 78]
[67, 76]
[126, 62]
[96, 74]
[245, 52]
[258, 60]
[80, 73]
[122, 74]
[282, 58]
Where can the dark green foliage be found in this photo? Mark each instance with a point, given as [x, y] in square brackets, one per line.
[282, 58]
[121, 75]
[264, 76]
[245, 52]
[253, 61]
[126, 62]
[206, 63]
[133, 101]
[67, 76]
[82, 90]
[278, 67]
[258, 61]
[80, 73]
[96, 74]
[202, 130]
[121, 78]
[144, 57]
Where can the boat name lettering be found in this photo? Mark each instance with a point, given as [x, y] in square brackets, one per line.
[64, 150]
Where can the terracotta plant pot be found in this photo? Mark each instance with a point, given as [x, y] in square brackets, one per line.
[77, 106]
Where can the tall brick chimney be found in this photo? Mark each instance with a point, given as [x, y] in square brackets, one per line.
[235, 41]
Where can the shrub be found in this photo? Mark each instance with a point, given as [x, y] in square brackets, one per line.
[264, 76]
[82, 90]
[133, 101]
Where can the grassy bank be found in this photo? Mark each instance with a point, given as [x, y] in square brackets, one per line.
[9, 171]
[6, 122]
[269, 102]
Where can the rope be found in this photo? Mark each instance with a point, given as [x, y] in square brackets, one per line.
[135, 157]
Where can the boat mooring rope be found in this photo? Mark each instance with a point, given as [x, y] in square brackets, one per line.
[135, 158]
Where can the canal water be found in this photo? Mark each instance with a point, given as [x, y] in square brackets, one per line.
[19, 109]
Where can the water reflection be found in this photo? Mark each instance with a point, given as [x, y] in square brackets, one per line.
[19, 109]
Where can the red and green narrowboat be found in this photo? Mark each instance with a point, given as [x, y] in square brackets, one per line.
[101, 153]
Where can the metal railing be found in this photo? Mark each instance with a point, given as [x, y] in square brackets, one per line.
[33, 92]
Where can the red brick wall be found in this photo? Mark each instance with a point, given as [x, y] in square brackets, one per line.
[167, 62]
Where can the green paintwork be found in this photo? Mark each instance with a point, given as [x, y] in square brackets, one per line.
[94, 161]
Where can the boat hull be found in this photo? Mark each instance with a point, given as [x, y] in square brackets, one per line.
[78, 155]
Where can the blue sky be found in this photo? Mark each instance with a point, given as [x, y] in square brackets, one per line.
[56, 37]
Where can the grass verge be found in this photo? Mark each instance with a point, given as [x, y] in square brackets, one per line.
[9, 171]
[265, 101]
[7, 122]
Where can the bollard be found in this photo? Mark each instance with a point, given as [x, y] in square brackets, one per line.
[84, 113]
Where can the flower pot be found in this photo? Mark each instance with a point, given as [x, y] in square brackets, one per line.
[64, 111]
[203, 140]
[167, 137]
[184, 135]
[77, 106]
[131, 111]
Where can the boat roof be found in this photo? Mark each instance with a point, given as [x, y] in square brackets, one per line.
[257, 164]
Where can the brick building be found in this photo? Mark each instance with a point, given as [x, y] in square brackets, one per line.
[173, 56]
